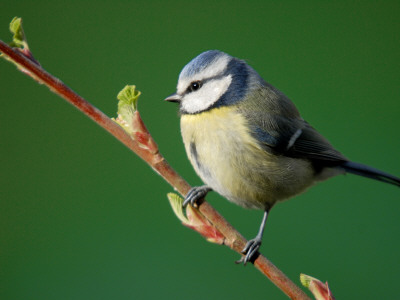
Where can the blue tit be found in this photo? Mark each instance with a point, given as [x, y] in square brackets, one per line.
[247, 140]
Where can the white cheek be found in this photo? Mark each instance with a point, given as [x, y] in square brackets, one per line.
[206, 96]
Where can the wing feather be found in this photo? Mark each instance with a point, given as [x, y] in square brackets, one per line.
[287, 133]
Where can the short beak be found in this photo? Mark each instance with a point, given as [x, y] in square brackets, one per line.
[173, 98]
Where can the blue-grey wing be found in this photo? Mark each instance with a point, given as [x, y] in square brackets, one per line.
[292, 137]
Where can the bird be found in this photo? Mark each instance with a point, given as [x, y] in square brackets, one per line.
[247, 141]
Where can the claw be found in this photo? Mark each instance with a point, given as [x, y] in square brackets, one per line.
[195, 194]
[252, 246]
[251, 251]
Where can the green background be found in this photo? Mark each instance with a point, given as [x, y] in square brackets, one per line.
[81, 217]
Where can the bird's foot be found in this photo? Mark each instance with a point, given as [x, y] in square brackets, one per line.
[250, 251]
[195, 194]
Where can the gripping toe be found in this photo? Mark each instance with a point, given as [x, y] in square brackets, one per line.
[250, 251]
[195, 194]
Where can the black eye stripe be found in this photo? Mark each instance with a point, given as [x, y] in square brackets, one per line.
[194, 86]
[200, 83]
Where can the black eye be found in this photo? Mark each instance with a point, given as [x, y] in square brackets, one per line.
[194, 86]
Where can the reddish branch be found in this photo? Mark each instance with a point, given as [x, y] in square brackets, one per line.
[233, 238]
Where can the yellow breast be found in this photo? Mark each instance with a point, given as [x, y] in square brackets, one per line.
[228, 159]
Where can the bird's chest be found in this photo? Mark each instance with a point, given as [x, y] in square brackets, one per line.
[211, 139]
[220, 149]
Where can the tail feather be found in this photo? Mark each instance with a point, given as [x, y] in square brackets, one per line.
[366, 171]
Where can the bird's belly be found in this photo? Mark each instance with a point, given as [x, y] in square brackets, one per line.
[230, 161]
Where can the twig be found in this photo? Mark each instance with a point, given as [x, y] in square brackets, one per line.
[232, 238]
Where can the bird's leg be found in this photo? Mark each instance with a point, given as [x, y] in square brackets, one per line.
[252, 246]
[195, 194]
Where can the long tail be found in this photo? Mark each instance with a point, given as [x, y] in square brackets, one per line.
[363, 170]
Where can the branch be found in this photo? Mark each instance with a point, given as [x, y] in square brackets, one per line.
[133, 134]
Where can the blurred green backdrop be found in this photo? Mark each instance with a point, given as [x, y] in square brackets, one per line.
[82, 218]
